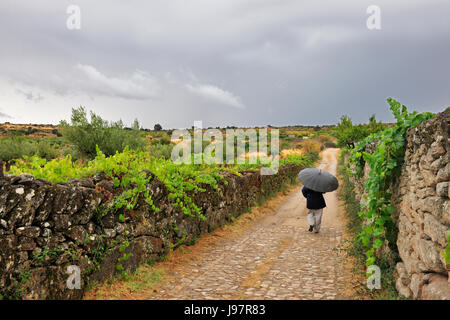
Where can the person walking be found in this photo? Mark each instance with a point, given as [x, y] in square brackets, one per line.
[315, 203]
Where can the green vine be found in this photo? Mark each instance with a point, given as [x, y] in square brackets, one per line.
[446, 252]
[385, 164]
[131, 172]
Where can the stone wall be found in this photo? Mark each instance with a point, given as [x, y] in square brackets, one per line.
[46, 228]
[421, 197]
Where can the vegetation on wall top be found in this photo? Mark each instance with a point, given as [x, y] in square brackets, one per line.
[384, 163]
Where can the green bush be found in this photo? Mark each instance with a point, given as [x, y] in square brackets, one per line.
[110, 137]
[17, 146]
[46, 150]
[163, 140]
[346, 132]
[161, 151]
[56, 132]
[30, 131]
[385, 163]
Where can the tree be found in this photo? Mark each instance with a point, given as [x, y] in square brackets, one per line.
[157, 127]
[110, 137]
[347, 134]
[136, 125]
[375, 126]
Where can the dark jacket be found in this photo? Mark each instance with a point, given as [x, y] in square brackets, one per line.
[314, 199]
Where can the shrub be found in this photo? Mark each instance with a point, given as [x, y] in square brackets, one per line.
[284, 145]
[45, 149]
[310, 146]
[161, 151]
[16, 147]
[56, 132]
[347, 133]
[163, 140]
[30, 131]
[110, 137]
[323, 139]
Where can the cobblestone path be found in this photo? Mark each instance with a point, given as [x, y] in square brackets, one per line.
[275, 258]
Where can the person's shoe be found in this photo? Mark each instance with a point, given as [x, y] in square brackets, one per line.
[310, 228]
[315, 231]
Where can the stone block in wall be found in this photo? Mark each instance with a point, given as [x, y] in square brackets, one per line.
[442, 189]
[44, 210]
[61, 200]
[27, 244]
[433, 205]
[402, 289]
[409, 256]
[443, 174]
[429, 254]
[436, 165]
[406, 225]
[437, 288]
[436, 149]
[19, 205]
[140, 248]
[446, 213]
[31, 232]
[77, 234]
[435, 230]
[425, 192]
[47, 282]
[62, 222]
[429, 179]
[425, 163]
[417, 281]
[402, 274]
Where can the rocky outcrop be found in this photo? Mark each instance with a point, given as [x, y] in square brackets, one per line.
[421, 197]
[46, 228]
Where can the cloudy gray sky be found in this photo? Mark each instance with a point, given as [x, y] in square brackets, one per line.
[225, 62]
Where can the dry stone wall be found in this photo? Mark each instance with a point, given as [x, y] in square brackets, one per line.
[421, 197]
[46, 228]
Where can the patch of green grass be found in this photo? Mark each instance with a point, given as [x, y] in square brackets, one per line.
[143, 280]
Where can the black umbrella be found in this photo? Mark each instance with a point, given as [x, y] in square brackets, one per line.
[318, 180]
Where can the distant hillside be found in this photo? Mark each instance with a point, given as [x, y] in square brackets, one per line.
[31, 130]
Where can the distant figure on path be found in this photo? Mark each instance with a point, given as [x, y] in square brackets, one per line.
[315, 203]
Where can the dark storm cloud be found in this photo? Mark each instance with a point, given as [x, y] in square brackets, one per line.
[29, 95]
[234, 62]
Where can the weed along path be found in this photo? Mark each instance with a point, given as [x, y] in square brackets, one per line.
[267, 255]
